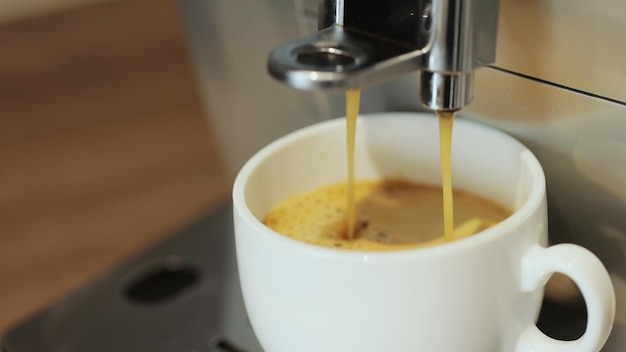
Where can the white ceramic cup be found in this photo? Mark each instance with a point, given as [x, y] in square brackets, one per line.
[482, 293]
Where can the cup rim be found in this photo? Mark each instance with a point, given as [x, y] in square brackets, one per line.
[535, 198]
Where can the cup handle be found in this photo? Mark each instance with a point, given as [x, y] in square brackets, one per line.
[592, 279]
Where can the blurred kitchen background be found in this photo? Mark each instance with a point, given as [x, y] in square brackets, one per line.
[104, 149]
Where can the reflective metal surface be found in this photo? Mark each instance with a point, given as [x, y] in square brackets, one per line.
[575, 43]
[378, 41]
[341, 59]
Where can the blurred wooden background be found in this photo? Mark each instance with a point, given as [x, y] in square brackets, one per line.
[104, 148]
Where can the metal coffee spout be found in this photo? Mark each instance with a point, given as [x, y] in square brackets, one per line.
[364, 42]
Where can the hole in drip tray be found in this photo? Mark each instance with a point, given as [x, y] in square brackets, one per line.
[325, 57]
[219, 344]
[162, 283]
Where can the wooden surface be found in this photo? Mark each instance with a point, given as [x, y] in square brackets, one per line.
[103, 146]
[15, 10]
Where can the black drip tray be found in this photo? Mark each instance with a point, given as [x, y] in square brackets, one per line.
[184, 295]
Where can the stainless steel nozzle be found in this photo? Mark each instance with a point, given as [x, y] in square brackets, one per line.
[363, 42]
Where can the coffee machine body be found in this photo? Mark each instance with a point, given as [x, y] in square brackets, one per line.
[557, 84]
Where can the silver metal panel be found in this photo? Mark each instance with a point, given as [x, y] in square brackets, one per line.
[576, 43]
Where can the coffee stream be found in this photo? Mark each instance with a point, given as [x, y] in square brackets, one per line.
[353, 97]
[446, 119]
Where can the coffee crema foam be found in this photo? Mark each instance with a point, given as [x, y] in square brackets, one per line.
[390, 214]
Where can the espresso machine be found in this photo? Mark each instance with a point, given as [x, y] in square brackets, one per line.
[550, 73]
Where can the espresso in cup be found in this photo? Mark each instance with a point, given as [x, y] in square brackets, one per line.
[386, 214]
[390, 214]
